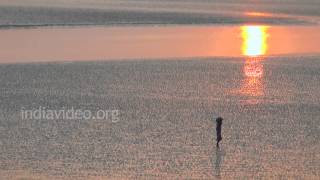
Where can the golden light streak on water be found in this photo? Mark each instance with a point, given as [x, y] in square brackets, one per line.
[254, 40]
[254, 47]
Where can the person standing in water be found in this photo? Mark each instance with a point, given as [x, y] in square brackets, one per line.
[218, 129]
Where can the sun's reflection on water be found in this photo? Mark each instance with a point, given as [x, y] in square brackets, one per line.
[254, 40]
[252, 84]
[254, 47]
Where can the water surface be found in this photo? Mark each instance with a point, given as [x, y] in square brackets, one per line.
[270, 105]
[147, 42]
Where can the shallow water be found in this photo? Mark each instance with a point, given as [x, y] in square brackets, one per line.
[271, 128]
[147, 42]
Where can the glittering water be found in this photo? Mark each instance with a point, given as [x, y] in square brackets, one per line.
[271, 127]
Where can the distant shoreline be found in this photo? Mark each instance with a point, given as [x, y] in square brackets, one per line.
[33, 26]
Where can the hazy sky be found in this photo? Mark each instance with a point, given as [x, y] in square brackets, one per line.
[108, 2]
[291, 7]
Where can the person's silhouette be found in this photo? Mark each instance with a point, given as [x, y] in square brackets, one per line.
[218, 129]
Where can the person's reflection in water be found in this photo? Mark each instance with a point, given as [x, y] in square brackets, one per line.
[218, 161]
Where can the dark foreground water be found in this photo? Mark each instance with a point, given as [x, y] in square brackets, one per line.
[271, 128]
